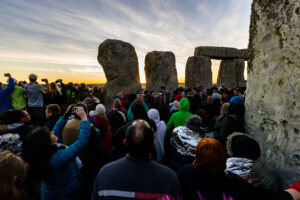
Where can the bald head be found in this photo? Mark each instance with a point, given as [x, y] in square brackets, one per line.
[139, 139]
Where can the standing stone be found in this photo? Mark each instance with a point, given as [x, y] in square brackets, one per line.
[120, 65]
[198, 72]
[239, 72]
[231, 73]
[160, 70]
[273, 86]
[227, 73]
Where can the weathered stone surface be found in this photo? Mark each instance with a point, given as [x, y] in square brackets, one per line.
[120, 65]
[221, 52]
[239, 72]
[231, 73]
[160, 70]
[198, 72]
[273, 86]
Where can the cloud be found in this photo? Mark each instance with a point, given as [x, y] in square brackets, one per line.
[87, 70]
[69, 32]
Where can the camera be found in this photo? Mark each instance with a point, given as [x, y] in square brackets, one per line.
[43, 79]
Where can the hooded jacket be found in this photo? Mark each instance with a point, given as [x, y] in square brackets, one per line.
[4, 95]
[179, 118]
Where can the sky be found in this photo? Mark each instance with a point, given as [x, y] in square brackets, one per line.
[59, 39]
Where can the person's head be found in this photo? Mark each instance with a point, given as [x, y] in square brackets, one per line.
[75, 108]
[32, 78]
[1, 86]
[54, 88]
[117, 104]
[37, 149]
[153, 114]
[51, 110]
[116, 119]
[236, 109]
[243, 146]
[15, 116]
[194, 123]
[89, 103]
[139, 139]
[139, 111]
[224, 109]
[83, 85]
[209, 99]
[12, 173]
[100, 110]
[70, 85]
[210, 156]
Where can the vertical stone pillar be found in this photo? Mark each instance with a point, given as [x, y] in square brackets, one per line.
[273, 86]
[120, 64]
[227, 73]
[239, 72]
[160, 70]
[198, 72]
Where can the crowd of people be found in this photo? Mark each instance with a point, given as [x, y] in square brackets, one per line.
[63, 141]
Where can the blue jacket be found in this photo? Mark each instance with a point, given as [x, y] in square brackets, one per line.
[4, 95]
[65, 179]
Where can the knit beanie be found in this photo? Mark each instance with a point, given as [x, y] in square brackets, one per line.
[243, 146]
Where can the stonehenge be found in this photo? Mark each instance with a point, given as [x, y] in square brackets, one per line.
[120, 64]
[273, 87]
[231, 71]
[198, 72]
[160, 70]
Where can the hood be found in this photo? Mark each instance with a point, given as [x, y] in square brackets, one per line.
[154, 114]
[184, 104]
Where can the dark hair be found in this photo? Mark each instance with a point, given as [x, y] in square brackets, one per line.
[139, 111]
[12, 116]
[53, 108]
[79, 105]
[37, 151]
[12, 166]
[139, 138]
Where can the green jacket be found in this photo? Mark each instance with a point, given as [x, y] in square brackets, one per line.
[18, 99]
[179, 118]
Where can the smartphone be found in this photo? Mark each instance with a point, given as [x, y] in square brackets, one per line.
[43, 79]
[6, 74]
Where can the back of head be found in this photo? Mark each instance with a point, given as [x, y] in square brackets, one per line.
[153, 114]
[224, 109]
[243, 146]
[184, 104]
[194, 123]
[116, 119]
[236, 109]
[139, 111]
[210, 155]
[37, 150]
[100, 110]
[139, 138]
[53, 108]
[12, 173]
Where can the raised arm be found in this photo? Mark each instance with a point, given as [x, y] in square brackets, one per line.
[66, 155]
